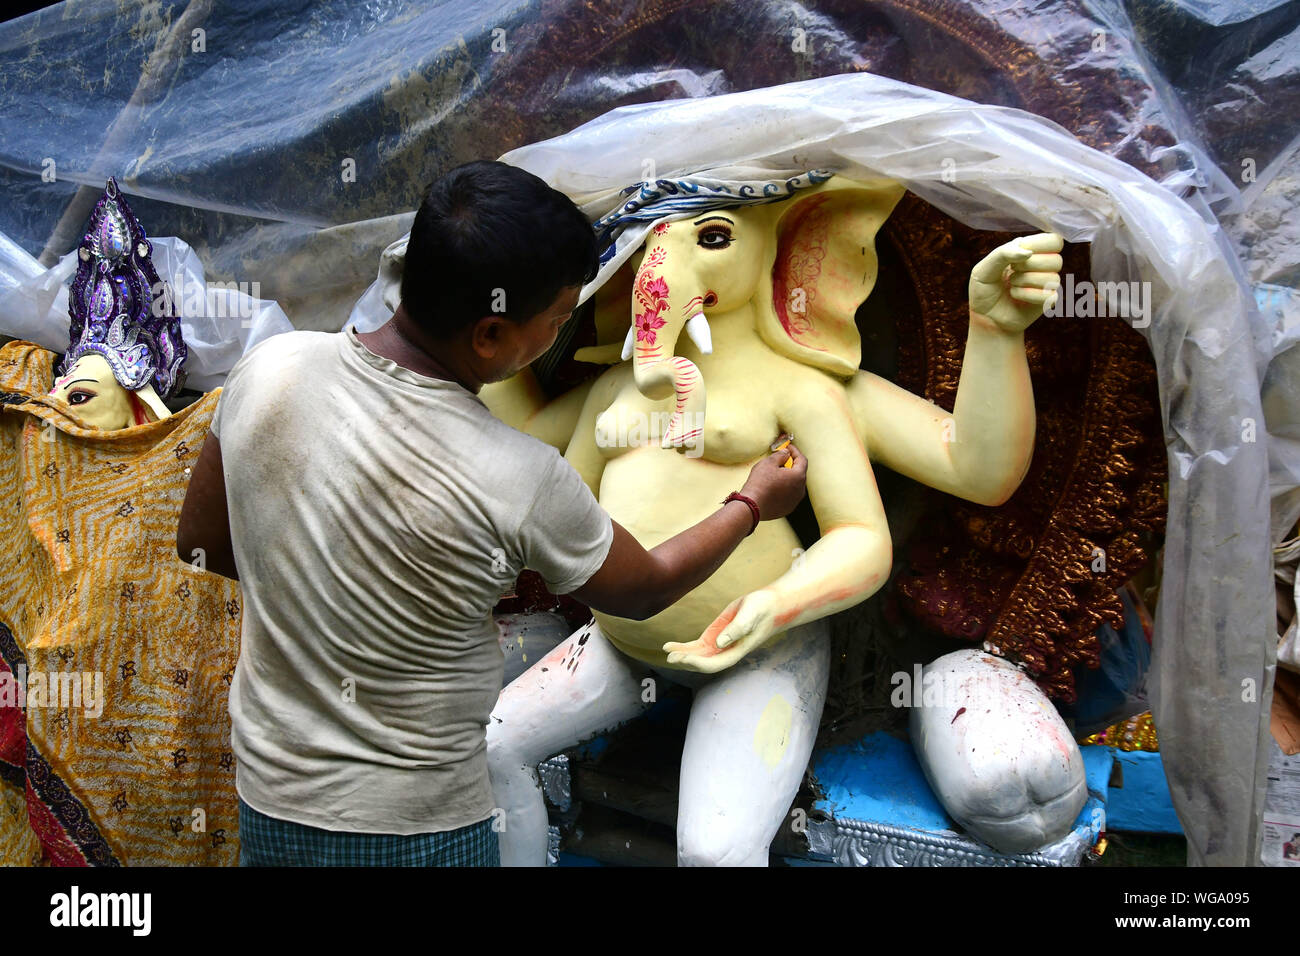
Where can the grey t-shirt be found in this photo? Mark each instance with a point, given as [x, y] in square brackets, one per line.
[377, 516]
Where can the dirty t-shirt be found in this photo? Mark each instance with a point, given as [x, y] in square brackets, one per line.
[377, 516]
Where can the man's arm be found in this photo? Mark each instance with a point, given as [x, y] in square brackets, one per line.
[637, 584]
[205, 523]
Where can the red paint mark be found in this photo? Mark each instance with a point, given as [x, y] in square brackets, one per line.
[709, 639]
[798, 265]
[1052, 732]
[840, 594]
[960, 711]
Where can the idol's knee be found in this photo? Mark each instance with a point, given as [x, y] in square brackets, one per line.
[997, 754]
[508, 755]
[720, 840]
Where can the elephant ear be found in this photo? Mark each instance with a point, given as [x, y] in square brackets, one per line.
[823, 269]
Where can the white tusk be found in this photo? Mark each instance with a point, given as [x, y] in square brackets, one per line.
[698, 329]
[629, 342]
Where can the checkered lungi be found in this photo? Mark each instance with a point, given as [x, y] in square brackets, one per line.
[267, 841]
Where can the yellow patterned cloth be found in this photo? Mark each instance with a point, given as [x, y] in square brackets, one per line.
[92, 595]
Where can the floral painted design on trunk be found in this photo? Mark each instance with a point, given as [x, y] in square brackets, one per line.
[651, 342]
[651, 293]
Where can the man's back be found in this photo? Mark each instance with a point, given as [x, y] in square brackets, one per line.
[376, 516]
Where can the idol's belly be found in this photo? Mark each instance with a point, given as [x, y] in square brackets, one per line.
[656, 493]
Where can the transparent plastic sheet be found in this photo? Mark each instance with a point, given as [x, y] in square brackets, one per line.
[1269, 227]
[235, 139]
[238, 150]
[1229, 71]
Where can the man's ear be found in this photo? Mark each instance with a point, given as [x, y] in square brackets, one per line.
[486, 334]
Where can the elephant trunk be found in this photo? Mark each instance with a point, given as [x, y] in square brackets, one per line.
[662, 305]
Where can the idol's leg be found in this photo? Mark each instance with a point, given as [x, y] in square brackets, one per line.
[996, 752]
[750, 735]
[581, 688]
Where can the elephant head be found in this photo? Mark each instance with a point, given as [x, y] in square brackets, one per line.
[797, 270]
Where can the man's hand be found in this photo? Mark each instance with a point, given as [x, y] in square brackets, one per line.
[776, 489]
[1014, 283]
[637, 584]
[744, 625]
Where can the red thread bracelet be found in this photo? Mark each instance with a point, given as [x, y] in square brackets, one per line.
[753, 507]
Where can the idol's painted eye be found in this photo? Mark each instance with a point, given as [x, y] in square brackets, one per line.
[715, 237]
[80, 397]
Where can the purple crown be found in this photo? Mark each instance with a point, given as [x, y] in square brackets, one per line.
[119, 307]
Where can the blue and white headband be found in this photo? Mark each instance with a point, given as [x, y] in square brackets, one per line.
[651, 201]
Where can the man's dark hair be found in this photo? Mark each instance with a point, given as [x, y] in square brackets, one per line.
[488, 238]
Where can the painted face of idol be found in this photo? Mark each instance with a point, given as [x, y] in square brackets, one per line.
[90, 388]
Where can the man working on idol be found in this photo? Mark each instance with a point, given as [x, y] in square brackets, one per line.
[366, 499]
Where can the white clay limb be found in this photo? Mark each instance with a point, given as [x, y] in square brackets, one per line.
[581, 688]
[748, 742]
[750, 736]
[996, 752]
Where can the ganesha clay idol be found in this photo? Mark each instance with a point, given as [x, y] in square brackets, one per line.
[766, 292]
